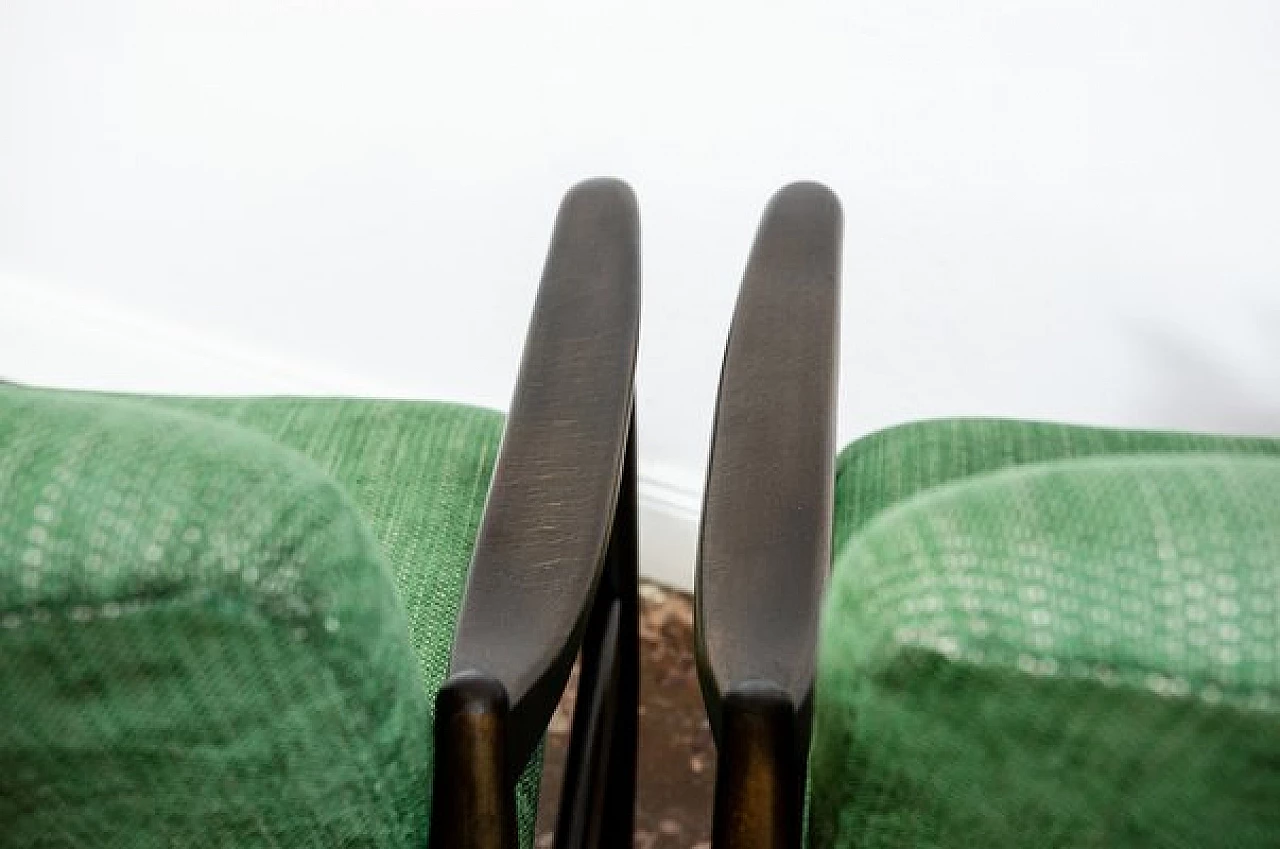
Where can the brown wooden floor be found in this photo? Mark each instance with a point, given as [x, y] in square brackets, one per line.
[677, 757]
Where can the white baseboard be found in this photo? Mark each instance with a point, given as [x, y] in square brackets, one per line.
[670, 506]
[57, 337]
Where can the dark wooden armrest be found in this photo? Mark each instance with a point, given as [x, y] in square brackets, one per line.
[549, 518]
[765, 546]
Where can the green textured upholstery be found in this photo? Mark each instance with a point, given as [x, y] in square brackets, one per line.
[879, 470]
[225, 620]
[1045, 635]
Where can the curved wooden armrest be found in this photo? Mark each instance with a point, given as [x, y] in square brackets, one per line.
[765, 546]
[541, 547]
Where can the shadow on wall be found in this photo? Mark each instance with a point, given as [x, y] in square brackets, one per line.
[1193, 386]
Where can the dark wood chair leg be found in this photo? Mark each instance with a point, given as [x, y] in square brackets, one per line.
[473, 804]
[759, 787]
[597, 806]
[624, 566]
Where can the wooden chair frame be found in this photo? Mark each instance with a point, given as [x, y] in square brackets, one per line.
[555, 565]
[765, 544]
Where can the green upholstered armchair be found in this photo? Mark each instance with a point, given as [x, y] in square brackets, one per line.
[974, 632]
[243, 622]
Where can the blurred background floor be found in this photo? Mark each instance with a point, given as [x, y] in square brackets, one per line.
[677, 756]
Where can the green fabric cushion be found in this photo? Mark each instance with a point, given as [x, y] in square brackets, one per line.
[879, 470]
[207, 730]
[1080, 652]
[419, 473]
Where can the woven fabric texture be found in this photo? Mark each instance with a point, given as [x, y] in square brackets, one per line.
[1079, 652]
[879, 470]
[219, 640]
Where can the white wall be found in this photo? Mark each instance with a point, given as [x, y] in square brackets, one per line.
[1054, 209]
